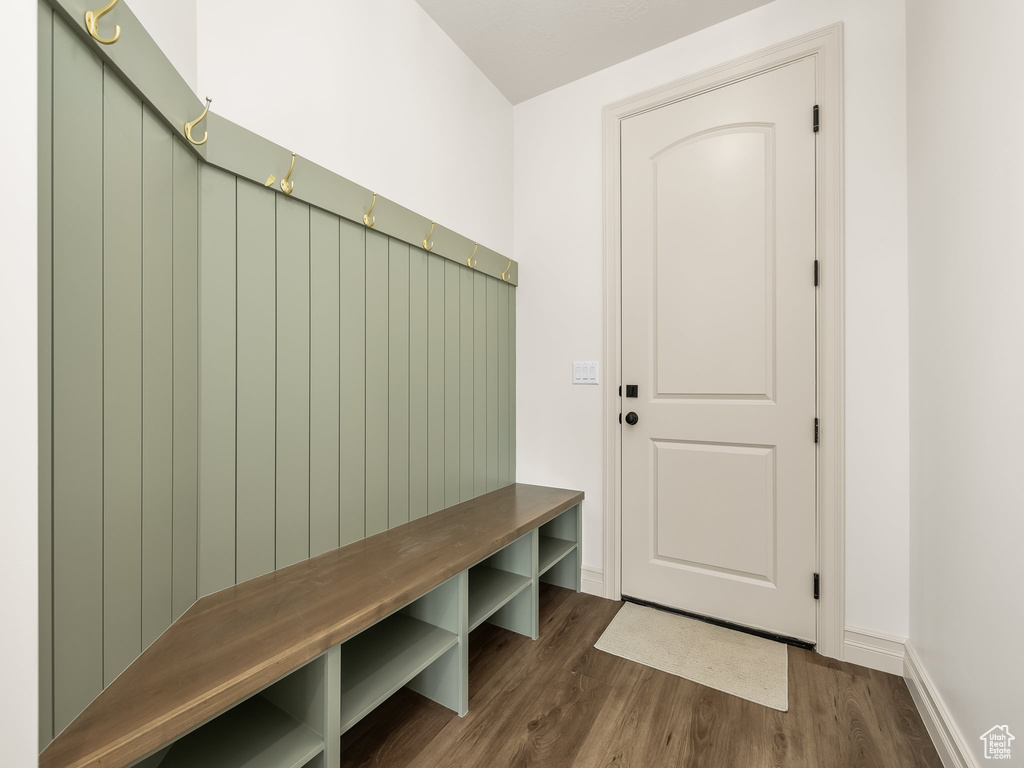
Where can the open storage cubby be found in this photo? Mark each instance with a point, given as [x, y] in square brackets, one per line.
[421, 646]
[291, 660]
[559, 550]
[503, 588]
[283, 726]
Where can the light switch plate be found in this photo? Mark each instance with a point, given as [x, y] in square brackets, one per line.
[585, 372]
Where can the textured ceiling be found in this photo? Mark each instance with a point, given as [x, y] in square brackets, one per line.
[528, 47]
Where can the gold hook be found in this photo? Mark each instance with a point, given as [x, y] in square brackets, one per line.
[287, 185]
[92, 20]
[428, 245]
[194, 123]
[507, 274]
[471, 261]
[369, 220]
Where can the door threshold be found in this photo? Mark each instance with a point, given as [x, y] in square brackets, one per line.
[795, 642]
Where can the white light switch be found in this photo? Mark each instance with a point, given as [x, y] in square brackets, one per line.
[584, 372]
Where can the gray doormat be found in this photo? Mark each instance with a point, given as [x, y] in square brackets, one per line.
[730, 661]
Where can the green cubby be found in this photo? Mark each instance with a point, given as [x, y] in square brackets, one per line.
[384, 658]
[420, 646]
[503, 588]
[559, 549]
[552, 550]
[283, 726]
[255, 734]
[491, 589]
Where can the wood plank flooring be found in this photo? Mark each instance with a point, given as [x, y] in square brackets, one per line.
[558, 702]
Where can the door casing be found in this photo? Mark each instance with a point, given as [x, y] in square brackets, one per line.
[825, 47]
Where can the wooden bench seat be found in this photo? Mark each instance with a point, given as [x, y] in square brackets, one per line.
[234, 643]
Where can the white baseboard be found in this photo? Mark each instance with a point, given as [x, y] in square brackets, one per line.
[593, 581]
[950, 743]
[874, 650]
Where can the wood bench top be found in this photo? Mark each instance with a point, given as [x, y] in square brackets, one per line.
[235, 642]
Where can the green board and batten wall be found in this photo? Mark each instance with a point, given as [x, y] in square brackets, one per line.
[231, 380]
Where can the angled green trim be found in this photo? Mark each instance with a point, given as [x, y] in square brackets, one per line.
[141, 63]
[138, 60]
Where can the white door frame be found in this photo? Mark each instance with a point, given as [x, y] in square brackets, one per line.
[826, 48]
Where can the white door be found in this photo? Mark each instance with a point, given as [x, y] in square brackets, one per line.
[718, 334]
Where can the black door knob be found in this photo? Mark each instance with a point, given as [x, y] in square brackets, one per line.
[632, 418]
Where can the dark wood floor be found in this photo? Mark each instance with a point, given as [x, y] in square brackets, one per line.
[558, 702]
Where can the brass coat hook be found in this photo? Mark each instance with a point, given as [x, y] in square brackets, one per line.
[428, 244]
[190, 125]
[369, 220]
[471, 261]
[506, 275]
[287, 185]
[92, 20]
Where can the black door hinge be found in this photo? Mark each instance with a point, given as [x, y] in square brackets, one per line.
[815, 429]
[620, 386]
[815, 272]
[620, 417]
[817, 587]
[816, 118]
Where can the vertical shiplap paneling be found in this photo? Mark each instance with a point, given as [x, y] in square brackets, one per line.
[352, 238]
[398, 382]
[377, 268]
[292, 381]
[466, 393]
[77, 376]
[185, 496]
[492, 385]
[418, 504]
[157, 376]
[452, 375]
[435, 384]
[479, 384]
[217, 287]
[183, 424]
[512, 382]
[324, 385]
[256, 388]
[44, 31]
[503, 402]
[122, 376]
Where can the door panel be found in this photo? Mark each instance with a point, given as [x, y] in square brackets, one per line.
[715, 508]
[718, 332]
[714, 262]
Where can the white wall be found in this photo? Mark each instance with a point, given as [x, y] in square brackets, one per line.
[172, 25]
[19, 503]
[558, 231]
[966, 166]
[374, 91]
